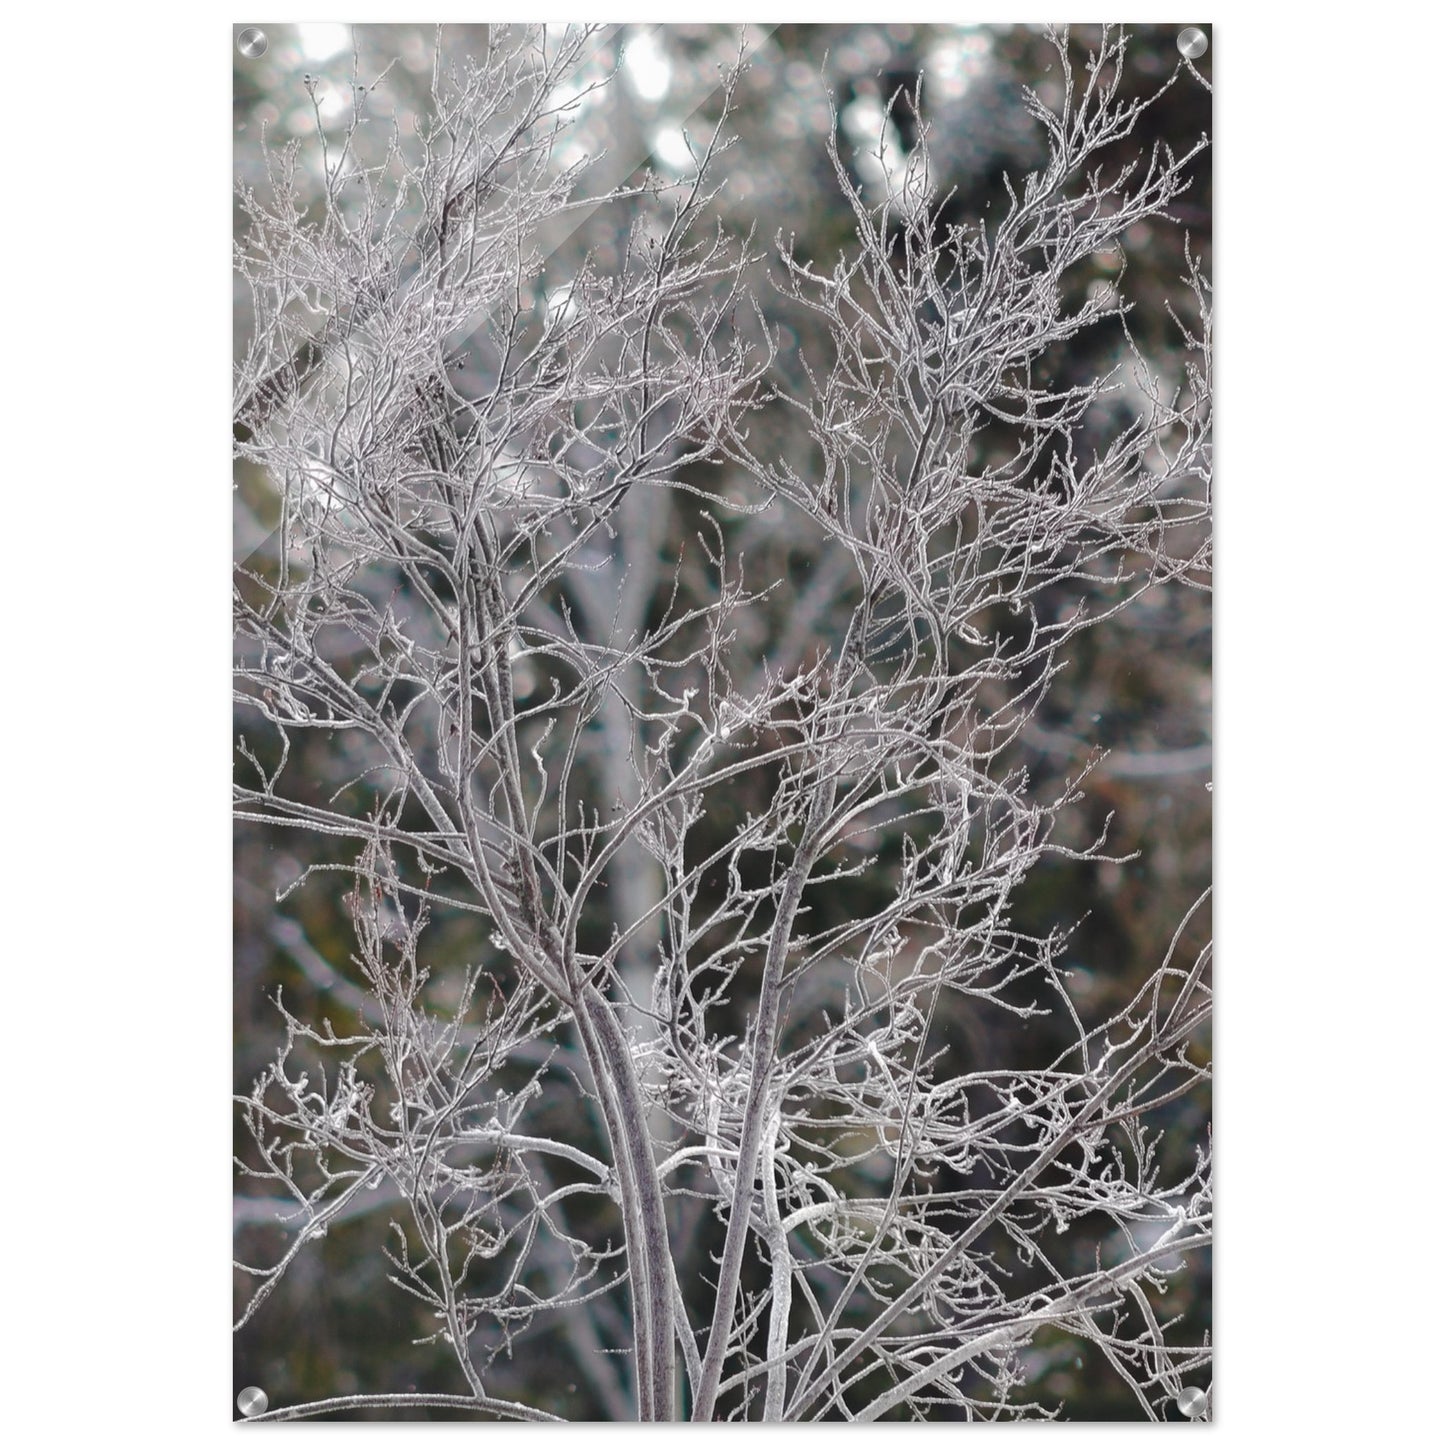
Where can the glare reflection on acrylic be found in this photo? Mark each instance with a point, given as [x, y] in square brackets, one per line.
[722, 655]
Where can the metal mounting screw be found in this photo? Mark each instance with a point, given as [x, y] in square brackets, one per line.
[1192, 42]
[1191, 1401]
[252, 1401]
[252, 42]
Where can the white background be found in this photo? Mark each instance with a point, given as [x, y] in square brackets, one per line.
[116, 1009]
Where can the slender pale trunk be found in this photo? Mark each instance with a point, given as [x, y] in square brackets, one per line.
[759, 1089]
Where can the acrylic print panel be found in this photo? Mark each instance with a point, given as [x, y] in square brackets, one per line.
[722, 723]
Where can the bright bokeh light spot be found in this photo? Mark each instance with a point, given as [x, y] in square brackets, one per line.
[574, 95]
[881, 159]
[863, 120]
[670, 146]
[648, 71]
[560, 306]
[321, 42]
[955, 62]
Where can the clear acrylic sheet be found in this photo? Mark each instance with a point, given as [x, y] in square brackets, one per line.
[723, 723]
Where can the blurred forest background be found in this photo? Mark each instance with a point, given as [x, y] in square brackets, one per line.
[1138, 686]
